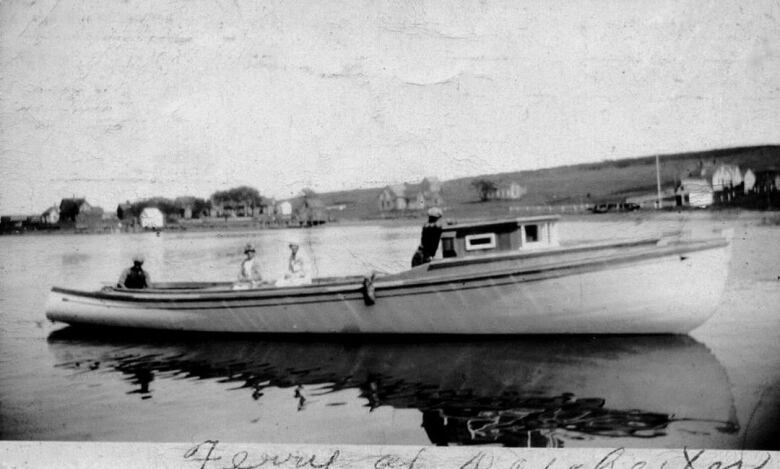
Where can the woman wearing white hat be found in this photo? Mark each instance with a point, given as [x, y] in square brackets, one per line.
[296, 269]
[295, 264]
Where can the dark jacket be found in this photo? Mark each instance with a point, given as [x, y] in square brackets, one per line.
[429, 242]
[135, 277]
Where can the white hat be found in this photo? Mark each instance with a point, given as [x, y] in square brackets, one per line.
[139, 258]
[435, 212]
[249, 248]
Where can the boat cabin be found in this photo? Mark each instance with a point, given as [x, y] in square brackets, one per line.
[484, 237]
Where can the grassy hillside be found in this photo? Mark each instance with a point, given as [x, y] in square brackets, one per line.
[611, 180]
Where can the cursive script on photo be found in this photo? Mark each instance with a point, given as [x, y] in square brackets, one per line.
[210, 455]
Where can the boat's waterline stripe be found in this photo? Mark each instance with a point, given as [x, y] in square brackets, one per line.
[355, 294]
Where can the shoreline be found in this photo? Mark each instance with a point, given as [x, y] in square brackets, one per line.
[758, 217]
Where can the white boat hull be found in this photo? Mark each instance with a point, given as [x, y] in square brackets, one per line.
[672, 290]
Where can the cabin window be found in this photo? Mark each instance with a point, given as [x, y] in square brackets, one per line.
[480, 241]
[531, 233]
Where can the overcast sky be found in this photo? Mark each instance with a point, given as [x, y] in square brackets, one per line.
[118, 100]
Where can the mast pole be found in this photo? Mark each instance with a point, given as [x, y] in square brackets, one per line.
[658, 180]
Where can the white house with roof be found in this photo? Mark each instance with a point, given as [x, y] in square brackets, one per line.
[51, 216]
[694, 192]
[507, 190]
[151, 218]
[407, 196]
[284, 208]
[393, 197]
[726, 176]
[749, 179]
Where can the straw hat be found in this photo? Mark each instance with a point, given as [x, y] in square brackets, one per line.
[249, 248]
[435, 212]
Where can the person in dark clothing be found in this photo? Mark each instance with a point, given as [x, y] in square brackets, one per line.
[135, 277]
[429, 240]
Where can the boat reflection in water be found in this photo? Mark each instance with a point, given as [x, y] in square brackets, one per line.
[522, 391]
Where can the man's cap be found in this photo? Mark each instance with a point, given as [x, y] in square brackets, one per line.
[249, 248]
[435, 212]
[138, 259]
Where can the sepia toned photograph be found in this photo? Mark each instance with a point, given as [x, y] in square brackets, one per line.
[509, 224]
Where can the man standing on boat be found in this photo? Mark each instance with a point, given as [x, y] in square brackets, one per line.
[250, 269]
[429, 240]
[135, 277]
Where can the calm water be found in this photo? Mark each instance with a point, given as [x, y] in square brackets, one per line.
[719, 388]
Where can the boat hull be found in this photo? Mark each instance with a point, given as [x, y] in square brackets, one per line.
[664, 290]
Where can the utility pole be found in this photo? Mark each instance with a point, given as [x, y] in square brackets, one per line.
[658, 180]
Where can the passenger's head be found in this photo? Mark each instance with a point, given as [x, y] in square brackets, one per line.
[434, 213]
[249, 250]
[293, 247]
[138, 260]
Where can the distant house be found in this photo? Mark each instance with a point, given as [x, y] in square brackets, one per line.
[764, 193]
[767, 182]
[71, 208]
[726, 176]
[151, 218]
[393, 198]
[90, 220]
[726, 180]
[238, 208]
[79, 214]
[312, 212]
[51, 216]
[749, 181]
[268, 206]
[284, 209]
[411, 196]
[506, 190]
[124, 211]
[694, 192]
[185, 207]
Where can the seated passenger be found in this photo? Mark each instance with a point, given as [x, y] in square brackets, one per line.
[297, 273]
[135, 277]
[249, 275]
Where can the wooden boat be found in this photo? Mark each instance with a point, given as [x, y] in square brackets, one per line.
[650, 390]
[494, 277]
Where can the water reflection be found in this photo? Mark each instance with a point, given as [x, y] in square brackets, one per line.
[515, 392]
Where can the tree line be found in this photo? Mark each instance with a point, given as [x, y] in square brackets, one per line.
[174, 208]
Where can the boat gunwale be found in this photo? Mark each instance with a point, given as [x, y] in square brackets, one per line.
[383, 285]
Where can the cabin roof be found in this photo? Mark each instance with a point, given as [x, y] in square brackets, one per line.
[503, 222]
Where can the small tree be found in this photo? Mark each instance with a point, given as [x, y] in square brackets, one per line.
[307, 192]
[199, 206]
[239, 194]
[484, 188]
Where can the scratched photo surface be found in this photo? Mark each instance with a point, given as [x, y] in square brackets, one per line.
[116, 102]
